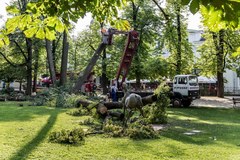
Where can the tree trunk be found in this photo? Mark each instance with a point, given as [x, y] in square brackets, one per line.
[29, 57]
[137, 71]
[179, 43]
[136, 58]
[220, 65]
[29, 66]
[104, 73]
[88, 69]
[219, 46]
[20, 87]
[54, 47]
[75, 58]
[63, 77]
[35, 74]
[50, 62]
[103, 108]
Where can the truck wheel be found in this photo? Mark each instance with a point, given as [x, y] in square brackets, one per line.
[186, 103]
[177, 102]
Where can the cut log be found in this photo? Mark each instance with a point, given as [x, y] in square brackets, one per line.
[102, 109]
[113, 105]
[119, 115]
[88, 69]
[149, 99]
[117, 105]
[84, 103]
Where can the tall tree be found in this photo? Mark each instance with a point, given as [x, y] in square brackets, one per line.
[51, 62]
[145, 19]
[218, 40]
[29, 66]
[179, 42]
[27, 53]
[137, 61]
[175, 39]
[64, 61]
[218, 53]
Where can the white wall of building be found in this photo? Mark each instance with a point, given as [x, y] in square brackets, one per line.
[232, 81]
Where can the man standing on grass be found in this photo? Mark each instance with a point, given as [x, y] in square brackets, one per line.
[114, 92]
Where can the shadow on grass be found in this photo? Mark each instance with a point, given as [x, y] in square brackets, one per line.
[28, 148]
[220, 123]
[209, 114]
[10, 112]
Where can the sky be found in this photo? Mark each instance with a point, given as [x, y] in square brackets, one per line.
[193, 20]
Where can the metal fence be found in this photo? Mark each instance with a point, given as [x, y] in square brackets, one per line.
[231, 91]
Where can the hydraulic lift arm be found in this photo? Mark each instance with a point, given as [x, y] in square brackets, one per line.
[129, 51]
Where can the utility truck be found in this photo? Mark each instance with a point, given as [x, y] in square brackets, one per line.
[184, 89]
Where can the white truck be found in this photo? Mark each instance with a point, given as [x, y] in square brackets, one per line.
[184, 90]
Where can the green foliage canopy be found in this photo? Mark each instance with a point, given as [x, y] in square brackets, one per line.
[43, 18]
[217, 14]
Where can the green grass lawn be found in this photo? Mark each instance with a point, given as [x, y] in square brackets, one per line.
[24, 135]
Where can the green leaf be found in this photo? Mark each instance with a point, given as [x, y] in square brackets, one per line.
[235, 1]
[12, 10]
[237, 53]
[59, 26]
[122, 25]
[50, 34]
[124, 2]
[50, 21]
[40, 33]
[1, 43]
[194, 6]
[30, 32]
[185, 2]
[4, 40]
[24, 21]
[12, 24]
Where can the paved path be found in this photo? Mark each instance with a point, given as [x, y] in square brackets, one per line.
[225, 102]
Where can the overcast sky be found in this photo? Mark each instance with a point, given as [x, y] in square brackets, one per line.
[193, 21]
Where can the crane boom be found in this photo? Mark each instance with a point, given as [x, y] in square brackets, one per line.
[129, 51]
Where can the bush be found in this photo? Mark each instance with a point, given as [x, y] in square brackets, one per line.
[8, 90]
[41, 98]
[3, 97]
[60, 97]
[20, 97]
[140, 130]
[75, 136]
[157, 112]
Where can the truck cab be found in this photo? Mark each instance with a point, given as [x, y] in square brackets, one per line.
[185, 89]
